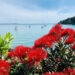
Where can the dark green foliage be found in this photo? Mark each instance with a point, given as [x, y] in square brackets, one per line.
[68, 21]
[19, 69]
[58, 58]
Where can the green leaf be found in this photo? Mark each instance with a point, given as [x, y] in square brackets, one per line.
[8, 37]
[1, 42]
[5, 43]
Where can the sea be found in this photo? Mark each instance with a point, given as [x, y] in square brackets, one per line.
[27, 34]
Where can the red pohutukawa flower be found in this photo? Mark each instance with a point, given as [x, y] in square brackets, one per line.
[4, 67]
[55, 30]
[37, 55]
[67, 31]
[47, 40]
[21, 51]
[38, 43]
[73, 47]
[47, 73]
[10, 54]
[69, 40]
[44, 41]
[56, 73]
[53, 38]
[69, 71]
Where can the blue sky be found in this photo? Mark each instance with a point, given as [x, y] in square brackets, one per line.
[36, 11]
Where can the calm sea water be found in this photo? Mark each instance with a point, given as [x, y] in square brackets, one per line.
[27, 34]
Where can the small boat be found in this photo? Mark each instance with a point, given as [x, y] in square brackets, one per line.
[29, 26]
[16, 27]
[42, 27]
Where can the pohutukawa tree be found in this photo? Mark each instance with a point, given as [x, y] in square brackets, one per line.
[59, 44]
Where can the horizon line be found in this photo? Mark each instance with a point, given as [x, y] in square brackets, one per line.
[25, 23]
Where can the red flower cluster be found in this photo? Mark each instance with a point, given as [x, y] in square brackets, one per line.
[21, 51]
[73, 46]
[67, 71]
[56, 73]
[47, 73]
[67, 32]
[48, 39]
[10, 54]
[44, 41]
[4, 67]
[55, 34]
[69, 40]
[55, 30]
[37, 55]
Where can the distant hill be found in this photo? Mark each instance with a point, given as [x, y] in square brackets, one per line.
[68, 21]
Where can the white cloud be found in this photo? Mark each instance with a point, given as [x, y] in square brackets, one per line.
[66, 13]
[11, 13]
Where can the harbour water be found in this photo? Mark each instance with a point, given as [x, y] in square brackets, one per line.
[27, 34]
